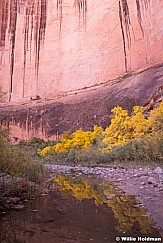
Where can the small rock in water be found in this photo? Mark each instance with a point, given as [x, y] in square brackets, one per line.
[25, 200]
[44, 194]
[158, 170]
[34, 210]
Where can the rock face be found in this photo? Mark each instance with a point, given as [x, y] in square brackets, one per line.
[49, 119]
[48, 48]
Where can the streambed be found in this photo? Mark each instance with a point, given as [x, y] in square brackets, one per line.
[78, 208]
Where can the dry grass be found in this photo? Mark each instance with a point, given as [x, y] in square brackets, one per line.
[20, 171]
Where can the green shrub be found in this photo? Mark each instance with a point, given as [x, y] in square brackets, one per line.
[36, 140]
[17, 161]
[143, 150]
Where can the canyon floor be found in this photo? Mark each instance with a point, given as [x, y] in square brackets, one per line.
[38, 220]
[144, 182]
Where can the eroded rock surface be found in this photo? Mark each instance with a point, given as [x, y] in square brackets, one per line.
[49, 48]
[48, 119]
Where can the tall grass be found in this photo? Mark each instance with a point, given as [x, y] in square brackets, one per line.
[142, 150]
[20, 171]
[18, 162]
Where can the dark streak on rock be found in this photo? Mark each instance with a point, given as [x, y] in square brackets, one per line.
[34, 27]
[59, 12]
[12, 29]
[41, 31]
[82, 9]
[123, 35]
[127, 23]
[29, 12]
[139, 16]
[3, 21]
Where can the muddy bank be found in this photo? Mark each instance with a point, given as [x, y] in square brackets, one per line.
[145, 183]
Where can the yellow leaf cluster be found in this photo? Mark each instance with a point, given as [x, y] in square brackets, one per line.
[123, 128]
[156, 118]
[119, 130]
[79, 139]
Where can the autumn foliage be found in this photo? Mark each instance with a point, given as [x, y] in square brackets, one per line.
[123, 129]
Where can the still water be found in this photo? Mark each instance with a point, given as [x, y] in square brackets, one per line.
[78, 208]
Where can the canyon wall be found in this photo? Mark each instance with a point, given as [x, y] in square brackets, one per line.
[49, 119]
[51, 47]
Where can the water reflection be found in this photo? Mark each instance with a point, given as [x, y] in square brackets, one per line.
[78, 209]
[126, 208]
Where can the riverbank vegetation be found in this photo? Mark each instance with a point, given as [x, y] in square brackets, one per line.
[130, 138]
[20, 171]
[134, 137]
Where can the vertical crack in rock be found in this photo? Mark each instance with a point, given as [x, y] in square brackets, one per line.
[82, 9]
[26, 37]
[3, 21]
[123, 35]
[139, 16]
[141, 4]
[34, 30]
[146, 3]
[12, 30]
[59, 12]
[127, 22]
[40, 30]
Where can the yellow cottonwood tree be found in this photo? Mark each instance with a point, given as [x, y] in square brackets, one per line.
[119, 131]
[141, 127]
[123, 129]
[156, 118]
[79, 139]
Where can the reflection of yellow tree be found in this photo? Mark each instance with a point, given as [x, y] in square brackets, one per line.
[122, 206]
[127, 215]
[80, 190]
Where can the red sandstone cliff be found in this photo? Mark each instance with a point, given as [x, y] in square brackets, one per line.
[51, 118]
[48, 48]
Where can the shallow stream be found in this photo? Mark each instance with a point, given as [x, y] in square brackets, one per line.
[78, 208]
